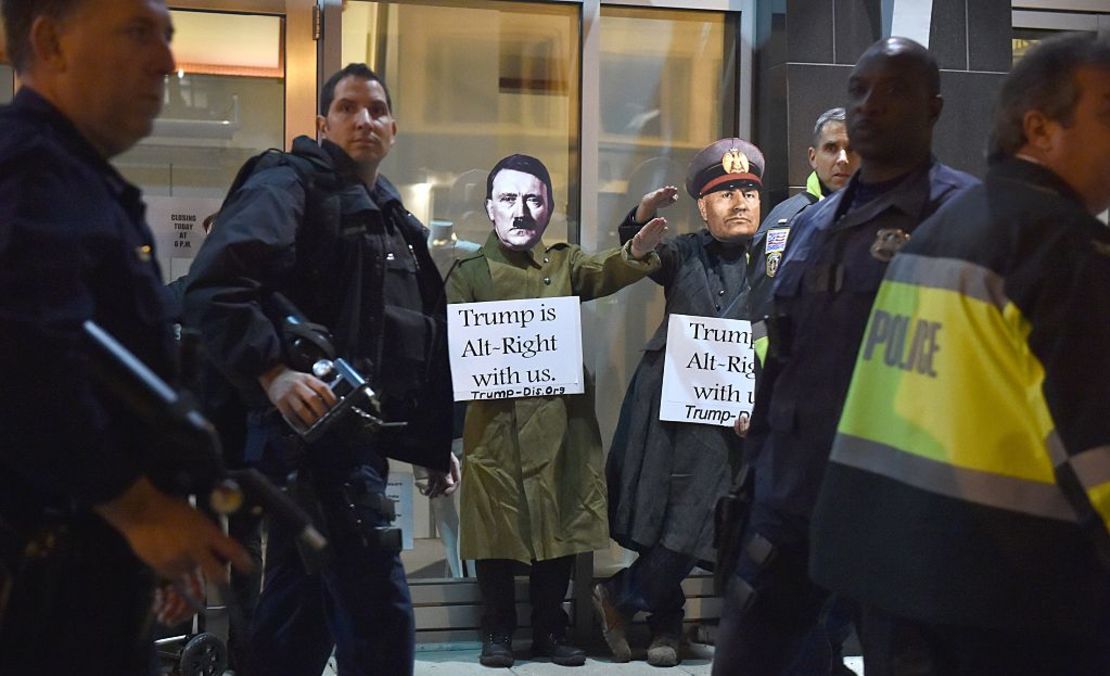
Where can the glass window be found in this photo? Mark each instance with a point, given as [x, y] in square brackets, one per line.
[225, 103]
[663, 99]
[471, 82]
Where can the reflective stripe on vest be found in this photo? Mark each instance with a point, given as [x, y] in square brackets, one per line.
[984, 488]
[1092, 468]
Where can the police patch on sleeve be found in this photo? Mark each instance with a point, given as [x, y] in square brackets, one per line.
[773, 261]
[776, 240]
[776, 244]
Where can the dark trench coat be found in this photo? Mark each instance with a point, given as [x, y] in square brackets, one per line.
[664, 478]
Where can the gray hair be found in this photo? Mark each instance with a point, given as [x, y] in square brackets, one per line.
[830, 115]
[1044, 80]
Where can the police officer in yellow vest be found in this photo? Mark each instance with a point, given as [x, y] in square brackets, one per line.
[968, 493]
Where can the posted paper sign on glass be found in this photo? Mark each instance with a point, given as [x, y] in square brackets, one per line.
[516, 348]
[709, 371]
[178, 227]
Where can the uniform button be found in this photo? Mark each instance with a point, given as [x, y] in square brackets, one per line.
[546, 259]
[547, 280]
[717, 306]
[721, 292]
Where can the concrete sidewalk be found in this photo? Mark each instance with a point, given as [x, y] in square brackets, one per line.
[697, 661]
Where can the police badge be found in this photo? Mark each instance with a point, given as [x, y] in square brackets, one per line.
[887, 243]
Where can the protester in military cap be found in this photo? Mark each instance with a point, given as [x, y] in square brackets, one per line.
[665, 477]
[533, 492]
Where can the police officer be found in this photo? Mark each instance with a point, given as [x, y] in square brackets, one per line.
[664, 478]
[969, 473]
[823, 294]
[82, 524]
[324, 228]
[833, 161]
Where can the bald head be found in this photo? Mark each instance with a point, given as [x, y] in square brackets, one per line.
[911, 56]
[893, 103]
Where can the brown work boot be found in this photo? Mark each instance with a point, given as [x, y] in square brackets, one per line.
[613, 624]
[663, 651]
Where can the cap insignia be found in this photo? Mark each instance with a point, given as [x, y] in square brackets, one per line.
[735, 162]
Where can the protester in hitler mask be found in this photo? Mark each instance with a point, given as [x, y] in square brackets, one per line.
[533, 491]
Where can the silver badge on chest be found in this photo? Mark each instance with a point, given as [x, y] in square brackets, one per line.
[887, 243]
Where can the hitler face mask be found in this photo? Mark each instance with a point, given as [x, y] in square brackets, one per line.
[519, 208]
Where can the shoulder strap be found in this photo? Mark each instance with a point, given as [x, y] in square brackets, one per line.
[262, 160]
[310, 172]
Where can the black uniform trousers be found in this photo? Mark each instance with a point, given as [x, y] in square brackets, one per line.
[358, 601]
[773, 614]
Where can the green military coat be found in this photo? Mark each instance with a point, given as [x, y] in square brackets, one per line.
[533, 477]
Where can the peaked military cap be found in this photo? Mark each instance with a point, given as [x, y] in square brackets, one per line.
[728, 163]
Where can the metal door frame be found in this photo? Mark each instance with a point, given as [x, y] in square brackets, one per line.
[301, 32]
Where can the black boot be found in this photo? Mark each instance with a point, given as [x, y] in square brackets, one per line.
[495, 581]
[558, 649]
[497, 650]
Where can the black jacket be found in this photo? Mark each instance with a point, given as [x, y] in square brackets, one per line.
[74, 245]
[767, 255]
[824, 290]
[1021, 246]
[321, 239]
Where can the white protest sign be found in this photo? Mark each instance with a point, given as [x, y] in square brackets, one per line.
[399, 489]
[516, 348]
[178, 227]
[709, 371]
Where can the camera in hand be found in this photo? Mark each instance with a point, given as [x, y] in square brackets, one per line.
[308, 348]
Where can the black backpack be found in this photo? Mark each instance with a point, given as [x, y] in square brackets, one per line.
[219, 398]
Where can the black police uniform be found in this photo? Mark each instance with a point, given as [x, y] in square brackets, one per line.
[74, 246]
[769, 248]
[355, 261]
[822, 298]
